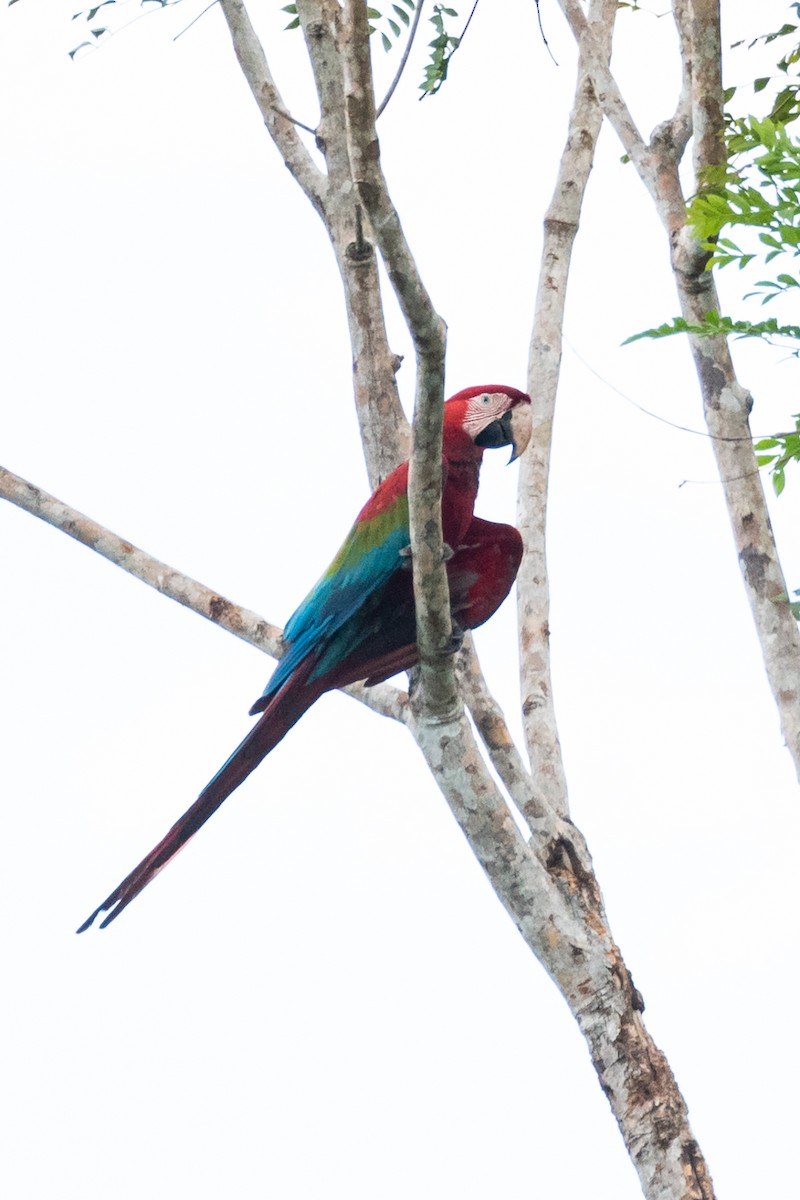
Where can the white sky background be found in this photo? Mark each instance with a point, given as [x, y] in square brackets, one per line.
[322, 997]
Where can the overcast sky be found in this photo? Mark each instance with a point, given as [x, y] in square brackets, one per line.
[322, 997]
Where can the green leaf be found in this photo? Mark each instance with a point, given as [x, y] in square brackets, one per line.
[402, 14]
[387, 42]
[778, 480]
[295, 24]
[782, 32]
[760, 84]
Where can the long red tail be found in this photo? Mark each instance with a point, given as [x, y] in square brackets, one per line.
[284, 709]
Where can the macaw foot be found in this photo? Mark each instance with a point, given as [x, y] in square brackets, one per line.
[447, 554]
[456, 639]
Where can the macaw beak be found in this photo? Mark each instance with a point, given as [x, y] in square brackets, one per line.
[513, 429]
[521, 421]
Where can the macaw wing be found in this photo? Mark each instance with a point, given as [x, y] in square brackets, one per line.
[339, 611]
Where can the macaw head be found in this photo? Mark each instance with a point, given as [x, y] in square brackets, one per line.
[489, 416]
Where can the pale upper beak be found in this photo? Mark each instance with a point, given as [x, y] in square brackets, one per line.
[520, 428]
[512, 429]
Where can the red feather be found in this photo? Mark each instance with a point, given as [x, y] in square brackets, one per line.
[376, 637]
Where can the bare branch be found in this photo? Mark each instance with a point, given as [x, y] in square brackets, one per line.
[253, 62]
[666, 1155]
[384, 429]
[249, 626]
[698, 23]
[320, 21]
[385, 433]
[428, 332]
[676, 131]
[595, 62]
[533, 596]
[491, 725]
[553, 899]
[726, 403]
[412, 33]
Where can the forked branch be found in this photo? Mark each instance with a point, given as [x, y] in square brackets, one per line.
[726, 404]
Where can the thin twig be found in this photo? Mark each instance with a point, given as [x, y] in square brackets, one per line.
[411, 35]
[541, 31]
[466, 27]
[194, 21]
[288, 115]
[716, 437]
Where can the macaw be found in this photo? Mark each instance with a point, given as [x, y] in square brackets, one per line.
[358, 621]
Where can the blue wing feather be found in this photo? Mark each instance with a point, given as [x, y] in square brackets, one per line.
[324, 622]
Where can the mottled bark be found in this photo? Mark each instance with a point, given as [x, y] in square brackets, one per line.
[437, 696]
[584, 960]
[249, 626]
[544, 364]
[545, 881]
[726, 403]
[384, 429]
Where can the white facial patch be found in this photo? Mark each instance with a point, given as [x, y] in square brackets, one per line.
[483, 409]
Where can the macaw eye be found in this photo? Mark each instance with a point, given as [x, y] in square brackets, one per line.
[485, 399]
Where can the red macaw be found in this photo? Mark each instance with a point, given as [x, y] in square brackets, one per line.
[358, 621]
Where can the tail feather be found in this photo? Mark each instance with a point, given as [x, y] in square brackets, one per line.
[284, 709]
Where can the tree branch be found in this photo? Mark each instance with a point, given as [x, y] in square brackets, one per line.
[657, 1134]
[544, 364]
[384, 699]
[384, 429]
[726, 403]
[385, 434]
[282, 130]
[547, 885]
[412, 33]
[552, 897]
[494, 732]
[438, 691]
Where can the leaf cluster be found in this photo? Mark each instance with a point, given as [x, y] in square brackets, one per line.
[401, 11]
[97, 32]
[390, 26]
[715, 325]
[443, 47]
[755, 191]
[780, 449]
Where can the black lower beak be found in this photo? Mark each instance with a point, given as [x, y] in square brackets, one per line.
[499, 433]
